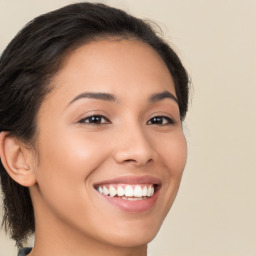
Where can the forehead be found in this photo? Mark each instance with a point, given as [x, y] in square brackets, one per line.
[113, 65]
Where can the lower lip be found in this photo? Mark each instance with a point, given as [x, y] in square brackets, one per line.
[133, 206]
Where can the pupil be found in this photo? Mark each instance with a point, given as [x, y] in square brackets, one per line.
[157, 120]
[95, 119]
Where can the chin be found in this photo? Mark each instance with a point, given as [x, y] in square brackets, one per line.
[134, 234]
[134, 239]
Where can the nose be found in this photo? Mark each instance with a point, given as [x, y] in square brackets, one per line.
[133, 146]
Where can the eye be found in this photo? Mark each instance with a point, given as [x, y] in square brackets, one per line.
[160, 120]
[95, 120]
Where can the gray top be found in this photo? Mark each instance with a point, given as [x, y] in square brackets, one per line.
[24, 251]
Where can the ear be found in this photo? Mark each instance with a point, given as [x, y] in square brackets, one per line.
[17, 158]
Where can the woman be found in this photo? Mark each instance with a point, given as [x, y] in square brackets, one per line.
[92, 148]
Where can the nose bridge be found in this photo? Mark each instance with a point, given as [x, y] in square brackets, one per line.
[133, 145]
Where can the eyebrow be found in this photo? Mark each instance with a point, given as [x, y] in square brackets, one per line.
[110, 97]
[163, 95]
[95, 95]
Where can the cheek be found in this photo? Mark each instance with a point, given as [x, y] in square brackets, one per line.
[173, 155]
[64, 172]
[178, 154]
[173, 152]
[69, 159]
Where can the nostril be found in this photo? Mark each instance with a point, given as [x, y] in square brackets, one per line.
[129, 160]
[138, 161]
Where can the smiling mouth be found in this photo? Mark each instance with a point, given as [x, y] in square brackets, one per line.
[132, 192]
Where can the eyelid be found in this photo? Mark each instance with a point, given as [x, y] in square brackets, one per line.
[87, 117]
[170, 121]
[173, 117]
[93, 113]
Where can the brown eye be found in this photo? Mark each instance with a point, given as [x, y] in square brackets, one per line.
[95, 120]
[160, 120]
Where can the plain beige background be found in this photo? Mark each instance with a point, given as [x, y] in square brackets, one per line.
[215, 211]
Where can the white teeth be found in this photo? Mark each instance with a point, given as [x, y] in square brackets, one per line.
[112, 191]
[129, 191]
[120, 191]
[137, 192]
[144, 191]
[149, 191]
[105, 191]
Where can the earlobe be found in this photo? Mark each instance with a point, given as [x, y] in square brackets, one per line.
[16, 158]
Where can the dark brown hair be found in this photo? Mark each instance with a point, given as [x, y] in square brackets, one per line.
[31, 60]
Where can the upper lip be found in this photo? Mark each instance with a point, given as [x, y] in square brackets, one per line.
[131, 180]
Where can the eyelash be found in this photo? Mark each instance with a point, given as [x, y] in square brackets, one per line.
[94, 120]
[97, 120]
[168, 120]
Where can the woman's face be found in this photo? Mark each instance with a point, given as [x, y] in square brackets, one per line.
[108, 133]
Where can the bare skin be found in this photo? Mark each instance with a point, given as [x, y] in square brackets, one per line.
[112, 114]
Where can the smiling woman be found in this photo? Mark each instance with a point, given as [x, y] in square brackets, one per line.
[92, 147]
